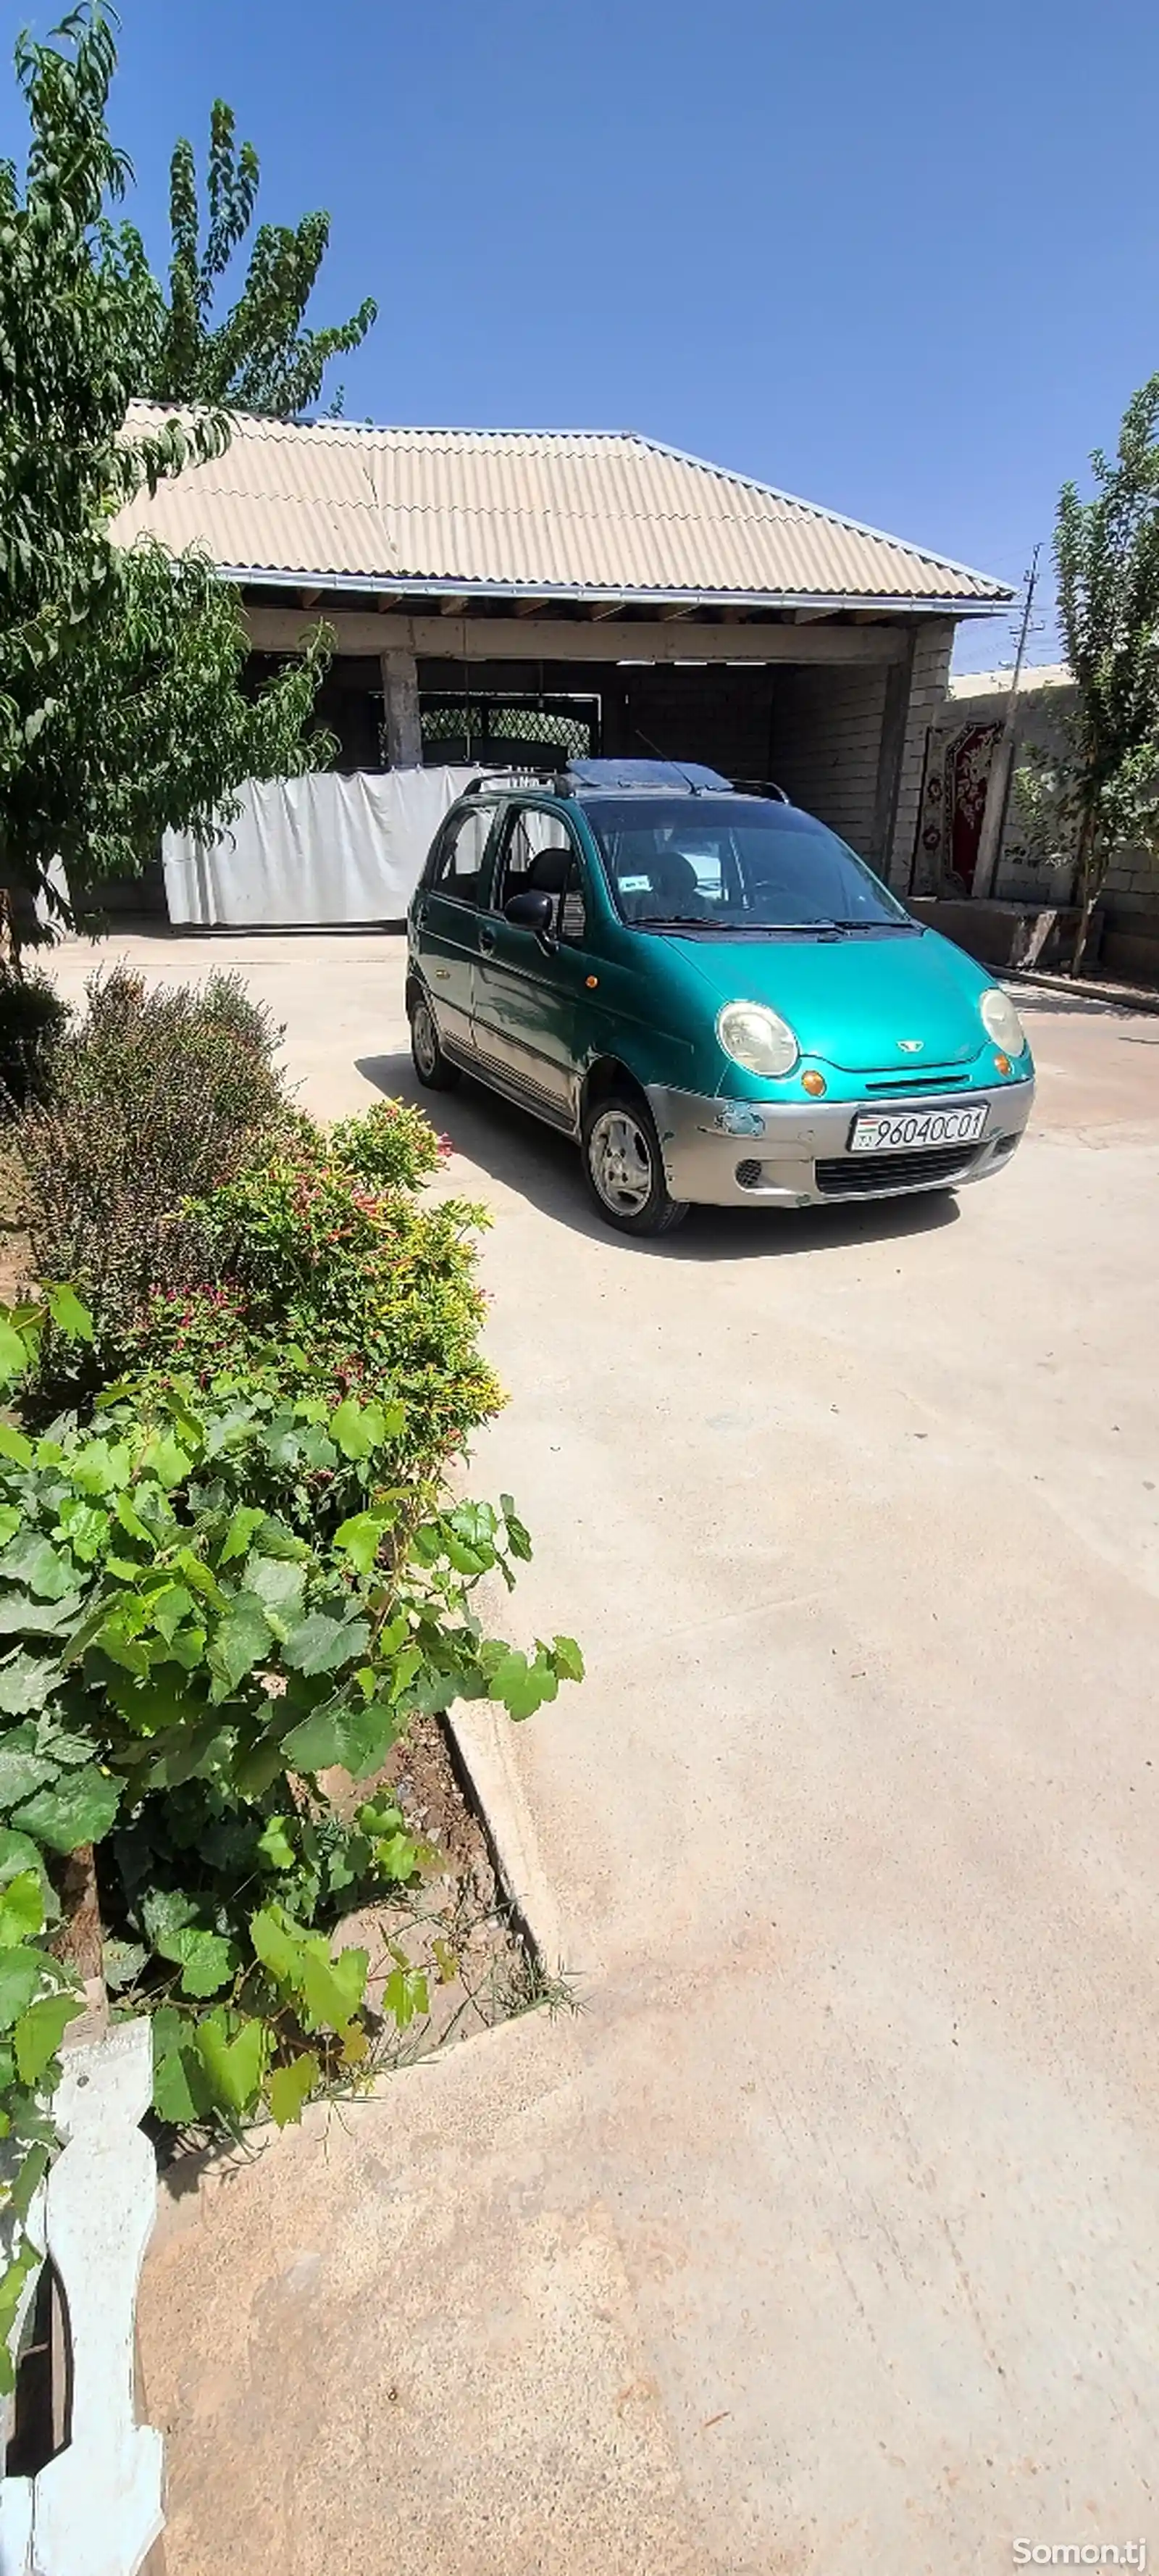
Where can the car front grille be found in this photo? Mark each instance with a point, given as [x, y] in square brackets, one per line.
[854, 1175]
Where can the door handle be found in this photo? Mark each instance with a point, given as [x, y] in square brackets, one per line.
[486, 941]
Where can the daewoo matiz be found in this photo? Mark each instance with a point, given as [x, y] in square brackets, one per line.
[710, 992]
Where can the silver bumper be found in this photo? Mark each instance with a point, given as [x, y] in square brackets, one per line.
[778, 1164]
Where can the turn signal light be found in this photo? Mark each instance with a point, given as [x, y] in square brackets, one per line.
[1002, 1064]
[814, 1083]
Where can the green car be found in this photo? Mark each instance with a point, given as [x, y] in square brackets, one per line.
[710, 992]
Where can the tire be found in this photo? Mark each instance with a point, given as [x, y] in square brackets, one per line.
[624, 1167]
[434, 1070]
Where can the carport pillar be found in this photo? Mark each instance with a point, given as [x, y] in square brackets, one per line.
[400, 700]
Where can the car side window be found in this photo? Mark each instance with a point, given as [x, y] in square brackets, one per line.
[458, 867]
[539, 856]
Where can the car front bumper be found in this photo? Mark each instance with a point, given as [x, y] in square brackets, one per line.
[800, 1158]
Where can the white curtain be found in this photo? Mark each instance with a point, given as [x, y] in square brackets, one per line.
[316, 849]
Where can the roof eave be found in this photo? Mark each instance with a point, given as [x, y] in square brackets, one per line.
[408, 587]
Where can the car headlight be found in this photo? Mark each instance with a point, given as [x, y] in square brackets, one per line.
[757, 1038]
[1001, 1022]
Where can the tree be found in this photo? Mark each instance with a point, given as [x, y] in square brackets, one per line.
[258, 357]
[121, 705]
[1102, 794]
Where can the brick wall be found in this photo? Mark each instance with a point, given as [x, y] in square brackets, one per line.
[933, 645]
[826, 743]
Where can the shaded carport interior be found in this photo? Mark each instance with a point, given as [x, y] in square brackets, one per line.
[817, 732]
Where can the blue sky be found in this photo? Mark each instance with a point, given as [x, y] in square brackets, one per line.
[901, 259]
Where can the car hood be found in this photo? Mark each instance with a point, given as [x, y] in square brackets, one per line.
[855, 1001]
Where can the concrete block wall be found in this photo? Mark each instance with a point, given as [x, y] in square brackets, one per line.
[826, 744]
[933, 646]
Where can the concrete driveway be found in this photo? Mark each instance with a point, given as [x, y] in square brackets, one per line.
[828, 2236]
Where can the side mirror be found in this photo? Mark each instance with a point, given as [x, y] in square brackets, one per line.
[532, 910]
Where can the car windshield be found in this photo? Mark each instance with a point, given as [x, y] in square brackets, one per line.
[735, 865]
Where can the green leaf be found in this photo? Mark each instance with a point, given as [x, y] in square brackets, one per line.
[80, 1809]
[279, 1584]
[247, 1520]
[278, 1944]
[291, 2086]
[522, 1686]
[20, 1617]
[18, 1852]
[361, 1537]
[396, 1857]
[166, 1460]
[69, 1316]
[165, 1912]
[32, 1559]
[405, 1994]
[21, 1909]
[27, 2183]
[100, 1467]
[23, 1769]
[359, 1429]
[354, 1739]
[241, 1639]
[234, 2066]
[14, 1353]
[569, 1662]
[20, 1975]
[14, 1445]
[57, 1745]
[85, 1526]
[38, 2033]
[169, 1608]
[275, 1846]
[208, 1963]
[319, 1644]
[122, 1963]
[332, 1988]
[25, 1683]
[518, 1538]
[180, 2089]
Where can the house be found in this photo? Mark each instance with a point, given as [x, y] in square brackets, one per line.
[512, 595]
[963, 742]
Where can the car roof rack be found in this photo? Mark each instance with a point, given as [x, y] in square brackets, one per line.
[525, 773]
[628, 776]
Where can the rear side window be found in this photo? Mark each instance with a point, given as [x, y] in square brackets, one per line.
[458, 864]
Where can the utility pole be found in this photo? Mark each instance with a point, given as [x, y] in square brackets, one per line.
[1002, 759]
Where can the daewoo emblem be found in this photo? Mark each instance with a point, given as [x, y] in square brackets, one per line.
[911, 1046]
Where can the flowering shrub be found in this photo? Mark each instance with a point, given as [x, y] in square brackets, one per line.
[321, 1259]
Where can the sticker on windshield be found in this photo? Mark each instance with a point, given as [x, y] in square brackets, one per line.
[635, 885]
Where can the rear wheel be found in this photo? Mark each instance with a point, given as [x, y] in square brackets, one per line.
[625, 1167]
[431, 1065]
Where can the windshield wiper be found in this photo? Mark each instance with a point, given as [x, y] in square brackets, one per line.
[878, 925]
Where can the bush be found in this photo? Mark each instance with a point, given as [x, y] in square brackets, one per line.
[33, 1019]
[207, 1603]
[321, 1251]
[155, 1098]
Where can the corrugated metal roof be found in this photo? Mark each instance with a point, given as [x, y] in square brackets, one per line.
[557, 513]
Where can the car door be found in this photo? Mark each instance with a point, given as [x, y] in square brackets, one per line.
[447, 921]
[526, 991]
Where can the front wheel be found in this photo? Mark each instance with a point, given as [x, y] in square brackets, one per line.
[625, 1167]
[430, 1064]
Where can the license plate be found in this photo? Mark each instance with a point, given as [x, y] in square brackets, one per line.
[906, 1131]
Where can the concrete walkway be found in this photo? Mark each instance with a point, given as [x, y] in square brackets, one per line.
[828, 2236]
